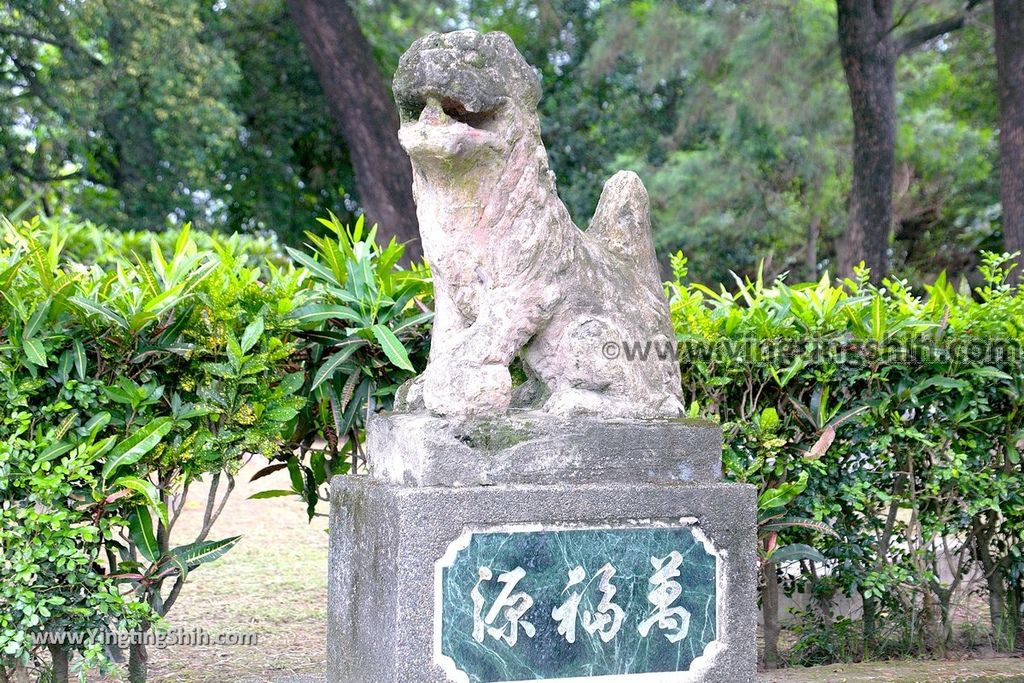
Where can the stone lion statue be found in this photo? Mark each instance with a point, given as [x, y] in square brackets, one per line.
[513, 276]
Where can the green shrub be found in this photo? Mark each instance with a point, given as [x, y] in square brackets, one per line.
[123, 385]
[366, 329]
[895, 419]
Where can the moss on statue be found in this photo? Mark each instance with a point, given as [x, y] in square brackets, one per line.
[495, 435]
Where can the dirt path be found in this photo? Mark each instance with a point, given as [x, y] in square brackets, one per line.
[273, 584]
[985, 671]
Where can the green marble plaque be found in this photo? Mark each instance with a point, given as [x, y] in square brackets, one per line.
[540, 604]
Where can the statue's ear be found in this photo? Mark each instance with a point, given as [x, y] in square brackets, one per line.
[622, 224]
[524, 82]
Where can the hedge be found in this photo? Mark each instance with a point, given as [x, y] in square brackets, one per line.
[882, 426]
[894, 420]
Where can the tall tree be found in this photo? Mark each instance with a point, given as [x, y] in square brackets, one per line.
[128, 95]
[869, 59]
[361, 104]
[1009, 25]
[870, 46]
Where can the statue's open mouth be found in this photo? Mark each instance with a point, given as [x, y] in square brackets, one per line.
[446, 127]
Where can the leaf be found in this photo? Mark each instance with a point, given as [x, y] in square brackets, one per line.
[274, 493]
[54, 451]
[280, 414]
[252, 334]
[414, 321]
[64, 366]
[96, 424]
[65, 425]
[312, 265]
[330, 366]
[234, 353]
[268, 470]
[95, 308]
[769, 420]
[944, 383]
[178, 565]
[989, 373]
[320, 312]
[823, 443]
[137, 445]
[140, 525]
[292, 383]
[783, 494]
[783, 523]
[35, 351]
[795, 552]
[393, 348]
[36, 321]
[147, 489]
[878, 320]
[195, 554]
[295, 472]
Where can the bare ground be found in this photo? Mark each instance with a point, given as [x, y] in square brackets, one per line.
[1004, 670]
[272, 584]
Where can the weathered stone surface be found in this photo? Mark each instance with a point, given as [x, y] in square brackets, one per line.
[513, 275]
[418, 449]
[386, 542]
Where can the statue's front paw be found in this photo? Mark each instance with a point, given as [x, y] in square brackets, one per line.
[409, 397]
[460, 389]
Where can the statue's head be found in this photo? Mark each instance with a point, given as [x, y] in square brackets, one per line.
[464, 97]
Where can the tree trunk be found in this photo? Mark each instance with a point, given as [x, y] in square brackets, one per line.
[59, 662]
[365, 113]
[869, 60]
[1009, 25]
[1015, 604]
[770, 612]
[811, 255]
[138, 662]
[870, 627]
[1003, 622]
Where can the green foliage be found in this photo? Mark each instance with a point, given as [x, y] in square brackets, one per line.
[122, 385]
[882, 428]
[892, 418]
[136, 113]
[130, 97]
[140, 113]
[367, 328]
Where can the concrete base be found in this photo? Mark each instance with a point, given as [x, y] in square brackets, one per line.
[386, 539]
[530, 447]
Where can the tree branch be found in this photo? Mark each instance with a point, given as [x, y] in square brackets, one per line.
[916, 37]
[36, 177]
[37, 88]
[50, 40]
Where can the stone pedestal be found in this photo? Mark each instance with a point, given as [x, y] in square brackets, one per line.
[529, 548]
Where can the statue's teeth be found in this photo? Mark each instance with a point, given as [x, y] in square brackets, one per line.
[433, 114]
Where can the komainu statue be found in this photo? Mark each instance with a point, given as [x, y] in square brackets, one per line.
[584, 311]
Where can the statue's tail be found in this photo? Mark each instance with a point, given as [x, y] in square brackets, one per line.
[622, 226]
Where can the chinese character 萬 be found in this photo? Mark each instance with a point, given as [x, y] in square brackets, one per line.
[675, 621]
[511, 606]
